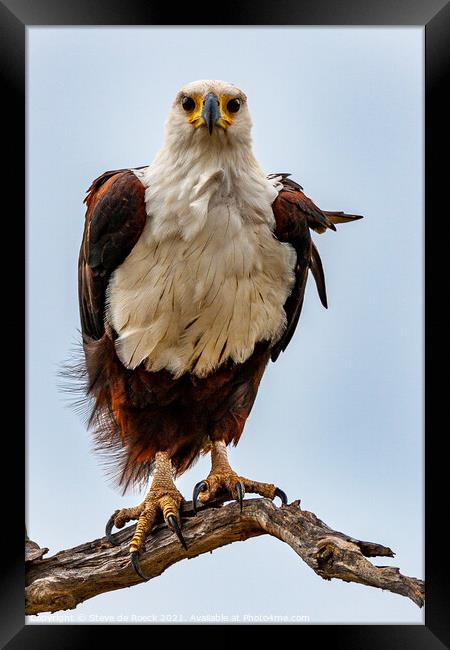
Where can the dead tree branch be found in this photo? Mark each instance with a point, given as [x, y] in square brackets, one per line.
[72, 576]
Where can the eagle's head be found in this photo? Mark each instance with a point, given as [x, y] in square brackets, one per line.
[211, 112]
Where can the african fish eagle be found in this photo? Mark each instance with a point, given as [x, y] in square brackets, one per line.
[192, 273]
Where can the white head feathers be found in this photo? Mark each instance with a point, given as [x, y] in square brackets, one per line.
[234, 127]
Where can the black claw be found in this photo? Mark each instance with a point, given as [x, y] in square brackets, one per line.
[134, 556]
[173, 523]
[108, 529]
[240, 491]
[200, 487]
[282, 495]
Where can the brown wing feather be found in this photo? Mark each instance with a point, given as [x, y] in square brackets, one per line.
[295, 214]
[115, 218]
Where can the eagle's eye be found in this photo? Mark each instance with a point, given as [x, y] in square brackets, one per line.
[234, 105]
[188, 103]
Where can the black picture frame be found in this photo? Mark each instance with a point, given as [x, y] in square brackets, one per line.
[434, 15]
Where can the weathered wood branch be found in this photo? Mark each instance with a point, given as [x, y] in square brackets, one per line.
[74, 575]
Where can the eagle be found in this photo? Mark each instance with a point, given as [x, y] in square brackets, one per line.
[191, 276]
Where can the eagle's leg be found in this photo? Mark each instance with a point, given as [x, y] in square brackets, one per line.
[163, 496]
[222, 480]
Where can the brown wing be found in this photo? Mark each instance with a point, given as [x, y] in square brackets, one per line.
[115, 218]
[295, 214]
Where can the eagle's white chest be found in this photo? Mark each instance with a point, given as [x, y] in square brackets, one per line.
[205, 282]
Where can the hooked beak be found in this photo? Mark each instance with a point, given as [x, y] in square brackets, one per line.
[211, 111]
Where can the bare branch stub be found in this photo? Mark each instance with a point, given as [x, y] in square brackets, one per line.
[70, 577]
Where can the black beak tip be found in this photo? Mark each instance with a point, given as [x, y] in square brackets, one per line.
[211, 111]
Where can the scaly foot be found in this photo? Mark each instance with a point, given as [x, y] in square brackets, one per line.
[163, 496]
[222, 480]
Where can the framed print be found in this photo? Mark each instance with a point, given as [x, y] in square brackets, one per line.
[336, 106]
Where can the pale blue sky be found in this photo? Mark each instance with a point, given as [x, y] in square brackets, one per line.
[338, 421]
